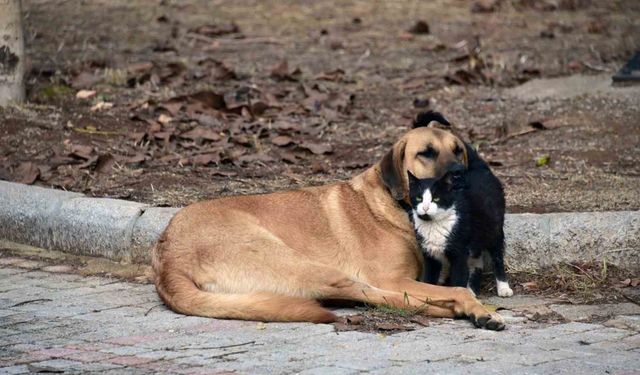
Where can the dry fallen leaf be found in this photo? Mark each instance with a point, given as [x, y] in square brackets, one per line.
[282, 140]
[135, 159]
[164, 119]
[543, 160]
[420, 27]
[281, 71]
[99, 106]
[317, 148]
[204, 159]
[27, 173]
[256, 157]
[355, 319]
[289, 157]
[200, 132]
[105, 163]
[484, 6]
[420, 319]
[85, 94]
[530, 286]
[216, 30]
[85, 80]
[80, 151]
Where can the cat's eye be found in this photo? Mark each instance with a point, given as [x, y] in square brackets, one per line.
[436, 200]
[419, 199]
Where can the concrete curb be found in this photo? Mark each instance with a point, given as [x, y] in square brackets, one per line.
[126, 231]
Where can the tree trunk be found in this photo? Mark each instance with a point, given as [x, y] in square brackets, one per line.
[11, 53]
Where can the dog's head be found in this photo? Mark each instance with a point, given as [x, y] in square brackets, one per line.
[427, 152]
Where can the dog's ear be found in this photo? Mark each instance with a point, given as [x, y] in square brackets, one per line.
[391, 167]
[423, 119]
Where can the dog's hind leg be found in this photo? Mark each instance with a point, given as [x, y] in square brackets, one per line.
[346, 288]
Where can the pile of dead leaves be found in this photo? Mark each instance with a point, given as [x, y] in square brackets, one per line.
[584, 282]
[235, 125]
[383, 321]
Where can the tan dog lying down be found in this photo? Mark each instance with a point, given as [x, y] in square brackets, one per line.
[271, 257]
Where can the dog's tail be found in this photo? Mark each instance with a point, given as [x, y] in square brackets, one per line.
[182, 295]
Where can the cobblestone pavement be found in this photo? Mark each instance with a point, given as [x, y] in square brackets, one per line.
[55, 322]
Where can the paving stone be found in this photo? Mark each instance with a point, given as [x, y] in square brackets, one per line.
[586, 312]
[583, 340]
[11, 370]
[573, 366]
[629, 322]
[328, 370]
[627, 343]
[68, 333]
[58, 268]
[70, 366]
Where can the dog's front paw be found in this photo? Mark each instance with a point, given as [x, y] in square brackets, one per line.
[504, 290]
[492, 321]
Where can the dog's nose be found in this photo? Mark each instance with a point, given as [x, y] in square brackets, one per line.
[456, 169]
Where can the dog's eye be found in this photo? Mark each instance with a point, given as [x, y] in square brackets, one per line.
[457, 150]
[429, 153]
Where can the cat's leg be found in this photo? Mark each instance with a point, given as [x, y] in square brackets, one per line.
[444, 272]
[431, 270]
[497, 256]
[458, 270]
[475, 265]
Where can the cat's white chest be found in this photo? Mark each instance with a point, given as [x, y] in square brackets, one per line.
[435, 232]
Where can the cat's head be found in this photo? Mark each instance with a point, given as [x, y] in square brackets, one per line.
[431, 199]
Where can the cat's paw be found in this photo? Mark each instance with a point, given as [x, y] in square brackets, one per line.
[503, 289]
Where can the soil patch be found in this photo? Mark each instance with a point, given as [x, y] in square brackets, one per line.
[168, 102]
[576, 283]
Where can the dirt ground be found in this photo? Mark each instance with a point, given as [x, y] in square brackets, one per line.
[186, 100]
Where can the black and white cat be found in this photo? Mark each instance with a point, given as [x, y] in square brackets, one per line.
[457, 218]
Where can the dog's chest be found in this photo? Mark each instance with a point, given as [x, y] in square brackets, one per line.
[434, 234]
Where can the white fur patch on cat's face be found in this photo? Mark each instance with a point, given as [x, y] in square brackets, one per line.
[427, 206]
[423, 207]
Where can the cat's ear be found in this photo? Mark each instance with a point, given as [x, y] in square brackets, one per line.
[412, 179]
[423, 119]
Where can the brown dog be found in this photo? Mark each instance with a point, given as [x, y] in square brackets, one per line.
[271, 257]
